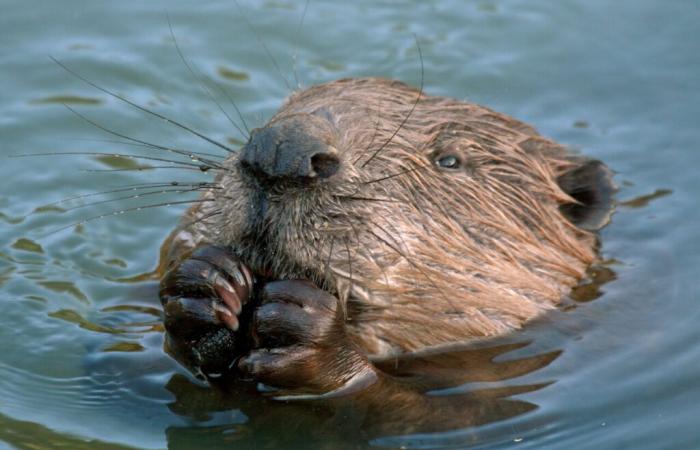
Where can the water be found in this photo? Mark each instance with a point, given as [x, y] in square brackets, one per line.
[82, 366]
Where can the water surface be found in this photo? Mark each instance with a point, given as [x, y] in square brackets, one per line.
[82, 365]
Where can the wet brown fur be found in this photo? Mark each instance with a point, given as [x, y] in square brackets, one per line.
[418, 255]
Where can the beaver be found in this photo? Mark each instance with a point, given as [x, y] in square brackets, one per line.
[367, 219]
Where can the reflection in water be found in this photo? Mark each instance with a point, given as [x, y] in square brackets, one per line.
[67, 100]
[416, 401]
[433, 391]
[596, 276]
[644, 200]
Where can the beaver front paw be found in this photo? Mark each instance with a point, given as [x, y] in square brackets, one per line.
[203, 298]
[299, 341]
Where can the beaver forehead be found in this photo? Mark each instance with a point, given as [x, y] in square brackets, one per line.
[375, 112]
[354, 106]
[364, 92]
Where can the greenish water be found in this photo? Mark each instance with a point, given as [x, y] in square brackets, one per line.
[81, 363]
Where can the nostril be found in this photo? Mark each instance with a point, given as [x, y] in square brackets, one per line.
[325, 165]
[246, 166]
[253, 170]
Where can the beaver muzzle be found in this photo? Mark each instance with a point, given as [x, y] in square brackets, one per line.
[291, 148]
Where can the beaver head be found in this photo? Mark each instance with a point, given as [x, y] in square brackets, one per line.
[433, 220]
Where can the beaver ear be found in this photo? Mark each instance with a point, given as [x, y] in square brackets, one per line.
[592, 186]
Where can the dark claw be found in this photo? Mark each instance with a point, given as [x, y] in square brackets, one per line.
[240, 277]
[203, 298]
[228, 294]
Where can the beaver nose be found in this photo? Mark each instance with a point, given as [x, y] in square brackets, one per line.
[289, 151]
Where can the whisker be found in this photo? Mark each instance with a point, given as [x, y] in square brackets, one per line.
[157, 184]
[235, 106]
[328, 261]
[374, 135]
[139, 195]
[388, 177]
[141, 108]
[133, 187]
[115, 155]
[262, 44]
[136, 144]
[201, 219]
[296, 45]
[139, 141]
[408, 260]
[141, 169]
[359, 244]
[126, 211]
[198, 77]
[350, 283]
[368, 199]
[413, 108]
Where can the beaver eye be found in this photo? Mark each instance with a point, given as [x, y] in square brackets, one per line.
[448, 162]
